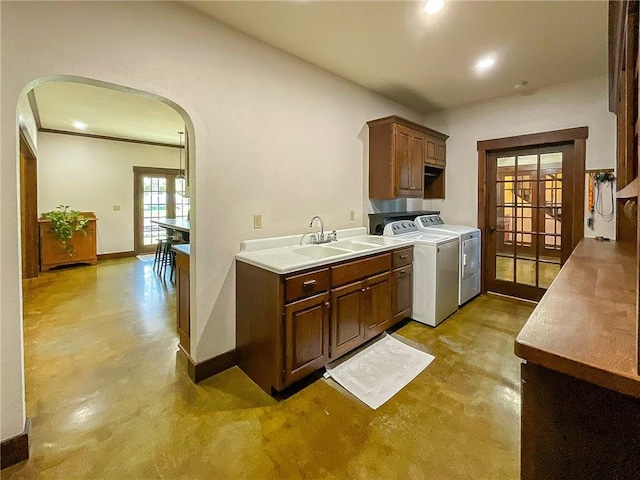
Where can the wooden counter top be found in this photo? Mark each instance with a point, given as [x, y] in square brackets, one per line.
[585, 325]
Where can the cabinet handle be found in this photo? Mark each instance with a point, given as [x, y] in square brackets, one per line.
[327, 304]
[364, 290]
[309, 283]
[404, 257]
[402, 272]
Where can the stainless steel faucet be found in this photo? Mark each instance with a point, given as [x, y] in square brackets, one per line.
[319, 237]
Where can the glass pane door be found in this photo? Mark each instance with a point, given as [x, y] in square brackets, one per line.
[158, 195]
[526, 241]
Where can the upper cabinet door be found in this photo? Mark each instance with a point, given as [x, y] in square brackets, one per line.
[417, 153]
[431, 151]
[403, 161]
[441, 153]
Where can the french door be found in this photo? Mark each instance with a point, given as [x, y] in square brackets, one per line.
[530, 205]
[158, 195]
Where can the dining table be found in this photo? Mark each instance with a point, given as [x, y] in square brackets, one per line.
[175, 225]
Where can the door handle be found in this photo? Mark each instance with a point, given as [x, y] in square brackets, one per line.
[492, 229]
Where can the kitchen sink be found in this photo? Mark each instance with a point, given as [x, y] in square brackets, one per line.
[353, 246]
[320, 251]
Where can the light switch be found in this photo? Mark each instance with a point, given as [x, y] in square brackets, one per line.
[257, 221]
[116, 208]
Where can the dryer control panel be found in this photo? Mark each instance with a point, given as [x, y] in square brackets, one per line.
[401, 227]
[430, 220]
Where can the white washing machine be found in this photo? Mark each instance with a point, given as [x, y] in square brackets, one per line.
[469, 262]
[435, 271]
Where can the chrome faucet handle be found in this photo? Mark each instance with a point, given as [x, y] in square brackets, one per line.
[313, 238]
[332, 237]
[320, 236]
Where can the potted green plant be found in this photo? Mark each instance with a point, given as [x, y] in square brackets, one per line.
[64, 223]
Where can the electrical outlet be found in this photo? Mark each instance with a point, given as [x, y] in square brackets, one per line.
[257, 221]
[116, 208]
[352, 216]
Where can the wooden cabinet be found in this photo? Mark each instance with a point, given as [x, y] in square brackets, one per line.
[431, 156]
[360, 311]
[306, 334]
[288, 326]
[402, 284]
[377, 299]
[183, 313]
[346, 318]
[416, 158]
[52, 253]
[403, 159]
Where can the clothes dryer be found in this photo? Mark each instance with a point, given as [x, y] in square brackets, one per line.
[435, 271]
[470, 252]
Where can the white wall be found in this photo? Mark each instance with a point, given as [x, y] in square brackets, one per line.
[91, 174]
[575, 104]
[273, 135]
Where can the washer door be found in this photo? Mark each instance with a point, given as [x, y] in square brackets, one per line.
[470, 257]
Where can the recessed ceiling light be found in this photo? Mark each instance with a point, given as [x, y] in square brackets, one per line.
[433, 6]
[485, 63]
[80, 125]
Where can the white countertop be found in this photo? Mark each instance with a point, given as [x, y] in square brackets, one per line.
[184, 248]
[174, 224]
[293, 252]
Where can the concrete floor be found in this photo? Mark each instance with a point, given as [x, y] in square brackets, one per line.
[109, 396]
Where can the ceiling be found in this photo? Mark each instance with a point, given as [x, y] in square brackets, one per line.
[427, 62]
[424, 62]
[106, 112]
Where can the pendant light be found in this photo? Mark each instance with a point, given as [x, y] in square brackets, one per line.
[180, 175]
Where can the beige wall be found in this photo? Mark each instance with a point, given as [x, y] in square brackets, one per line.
[273, 136]
[575, 104]
[93, 175]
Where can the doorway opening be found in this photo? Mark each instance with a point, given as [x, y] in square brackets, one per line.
[530, 209]
[95, 335]
[159, 194]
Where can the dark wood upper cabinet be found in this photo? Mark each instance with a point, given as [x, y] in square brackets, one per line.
[403, 153]
[405, 159]
[431, 157]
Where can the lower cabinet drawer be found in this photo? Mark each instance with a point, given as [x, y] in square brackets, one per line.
[402, 257]
[359, 269]
[306, 284]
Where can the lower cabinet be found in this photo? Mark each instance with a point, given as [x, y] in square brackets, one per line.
[306, 335]
[183, 300]
[288, 326]
[402, 292]
[347, 330]
[377, 314]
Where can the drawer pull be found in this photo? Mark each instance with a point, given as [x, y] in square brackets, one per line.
[404, 257]
[309, 283]
[402, 272]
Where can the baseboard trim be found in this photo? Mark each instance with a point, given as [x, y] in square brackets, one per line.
[113, 256]
[212, 366]
[16, 449]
